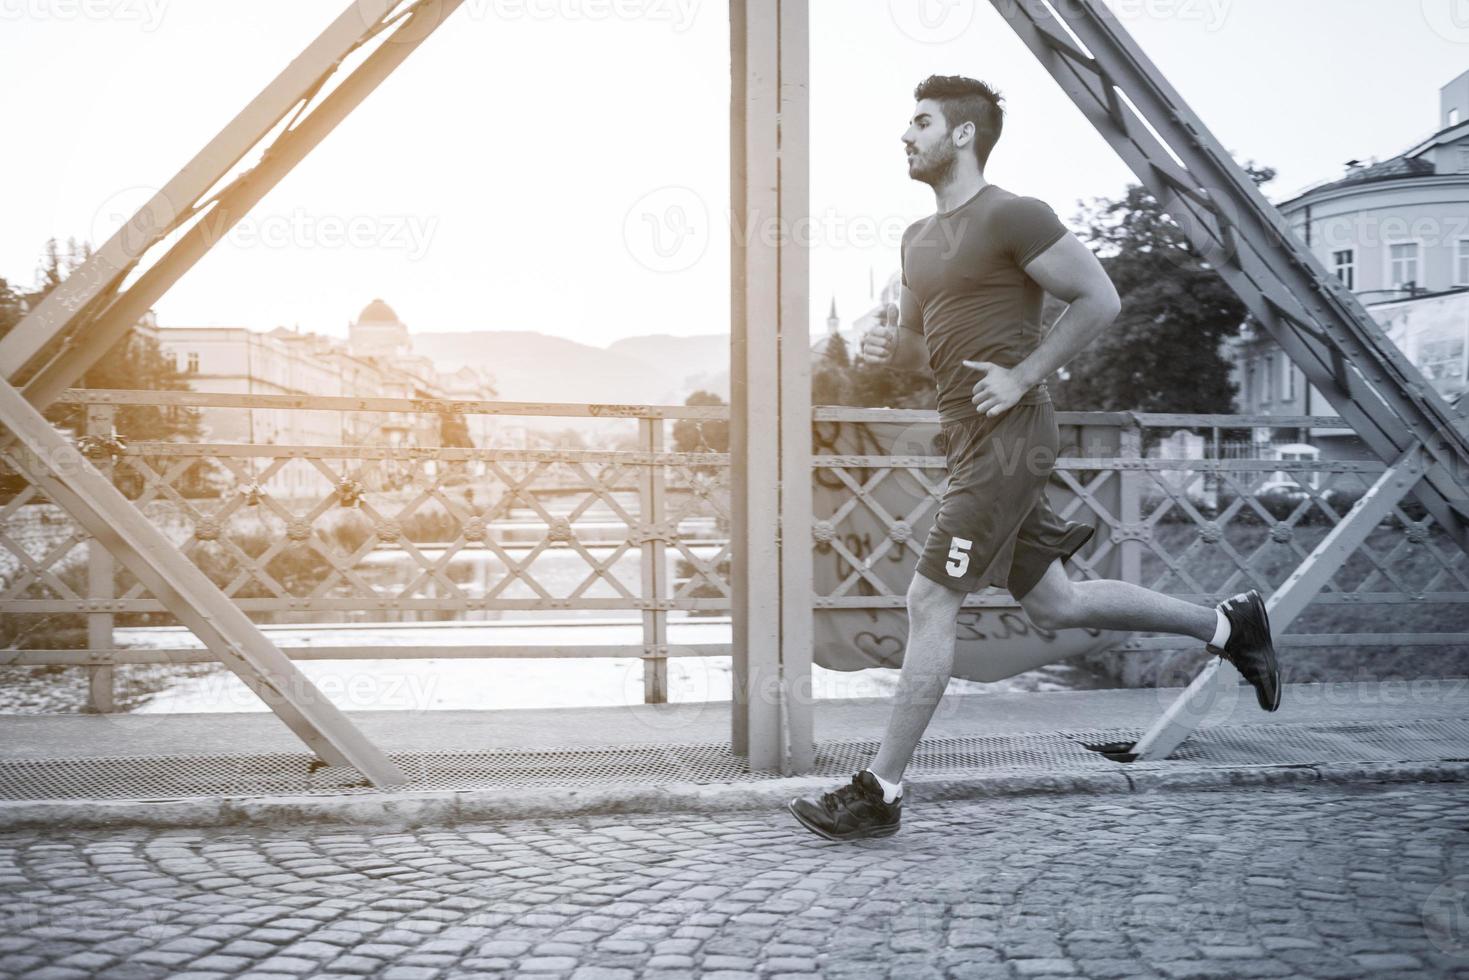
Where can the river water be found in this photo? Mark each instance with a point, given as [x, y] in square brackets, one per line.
[449, 682]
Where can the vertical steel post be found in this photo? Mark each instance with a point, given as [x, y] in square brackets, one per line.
[651, 514]
[798, 747]
[754, 463]
[770, 412]
[100, 422]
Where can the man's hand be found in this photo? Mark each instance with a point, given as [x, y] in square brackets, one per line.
[880, 343]
[998, 390]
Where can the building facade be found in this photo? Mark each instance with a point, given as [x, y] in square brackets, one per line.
[377, 361]
[1396, 232]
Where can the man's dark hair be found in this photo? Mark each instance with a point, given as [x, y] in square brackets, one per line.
[966, 100]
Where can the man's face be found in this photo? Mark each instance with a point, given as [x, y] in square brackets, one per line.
[931, 149]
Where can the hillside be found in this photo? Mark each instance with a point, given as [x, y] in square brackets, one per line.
[532, 366]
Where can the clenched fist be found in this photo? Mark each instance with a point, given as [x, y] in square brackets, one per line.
[881, 342]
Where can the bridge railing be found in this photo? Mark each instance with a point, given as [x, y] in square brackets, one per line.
[637, 528]
[1177, 508]
[344, 533]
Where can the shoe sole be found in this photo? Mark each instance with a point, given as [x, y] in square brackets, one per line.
[1272, 666]
[886, 831]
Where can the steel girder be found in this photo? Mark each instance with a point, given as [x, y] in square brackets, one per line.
[87, 314]
[1315, 318]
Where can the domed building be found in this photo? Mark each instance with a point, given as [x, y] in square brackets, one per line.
[377, 332]
[378, 361]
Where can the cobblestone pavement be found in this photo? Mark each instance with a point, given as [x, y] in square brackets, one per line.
[1310, 881]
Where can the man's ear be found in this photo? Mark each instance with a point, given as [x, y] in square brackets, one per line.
[963, 134]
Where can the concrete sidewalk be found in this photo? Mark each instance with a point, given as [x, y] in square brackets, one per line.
[215, 769]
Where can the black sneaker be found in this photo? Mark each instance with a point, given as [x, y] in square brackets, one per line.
[852, 812]
[1249, 647]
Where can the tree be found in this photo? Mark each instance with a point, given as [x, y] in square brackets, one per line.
[136, 362]
[828, 372]
[11, 309]
[840, 379]
[1164, 353]
[701, 435]
[454, 431]
[836, 351]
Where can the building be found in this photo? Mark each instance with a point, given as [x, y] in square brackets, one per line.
[821, 345]
[376, 362]
[1396, 232]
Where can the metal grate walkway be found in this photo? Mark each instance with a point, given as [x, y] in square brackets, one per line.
[174, 777]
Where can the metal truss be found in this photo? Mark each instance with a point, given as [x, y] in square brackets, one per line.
[1316, 320]
[1314, 317]
[92, 310]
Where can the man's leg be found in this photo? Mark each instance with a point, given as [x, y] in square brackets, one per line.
[865, 808]
[1056, 602]
[933, 614]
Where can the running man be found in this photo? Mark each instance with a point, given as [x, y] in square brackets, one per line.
[973, 277]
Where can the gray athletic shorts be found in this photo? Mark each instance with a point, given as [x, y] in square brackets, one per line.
[995, 525]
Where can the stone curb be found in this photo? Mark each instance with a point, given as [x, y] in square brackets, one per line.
[407, 810]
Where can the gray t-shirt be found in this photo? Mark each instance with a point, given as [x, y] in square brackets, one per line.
[966, 291]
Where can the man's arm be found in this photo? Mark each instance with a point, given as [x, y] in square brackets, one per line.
[912, 352]
[1070, 272]
[907, 316]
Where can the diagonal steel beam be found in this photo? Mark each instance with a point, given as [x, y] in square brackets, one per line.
[175, 201]
[47, 458]
[1319, 323]
[109, 317]
[88, 315]
[1344, 353]
[1286, 603]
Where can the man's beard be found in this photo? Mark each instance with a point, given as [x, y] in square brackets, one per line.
[934, 171]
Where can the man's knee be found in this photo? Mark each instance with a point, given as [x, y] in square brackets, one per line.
[928, 600]
[1050, 608]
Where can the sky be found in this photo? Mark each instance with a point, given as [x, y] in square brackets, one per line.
[562, 165]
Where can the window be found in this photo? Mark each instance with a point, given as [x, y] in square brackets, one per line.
[1464, 160]
[1402, 265]
[1267, 393]
[1461, 263]
[1251, 393]
[1346, 267]
[1287, 380]
[193, 362]
[1454, 117]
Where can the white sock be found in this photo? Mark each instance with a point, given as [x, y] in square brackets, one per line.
[890, 791]
[1221, 631]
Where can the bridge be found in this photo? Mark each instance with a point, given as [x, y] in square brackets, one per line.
[539, 842]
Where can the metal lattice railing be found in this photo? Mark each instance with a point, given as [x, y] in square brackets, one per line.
[1172, 513]
[299, 533]
[367, 532]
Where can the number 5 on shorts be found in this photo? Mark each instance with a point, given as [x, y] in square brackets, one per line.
[958, 562]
